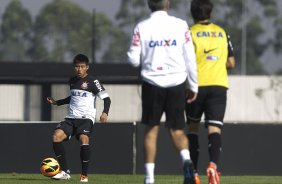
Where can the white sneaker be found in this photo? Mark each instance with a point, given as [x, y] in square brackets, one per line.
[83, 179]
[62, 175]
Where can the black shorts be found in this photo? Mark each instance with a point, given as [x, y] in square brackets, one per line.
[76, 127]
[156, 100]
[211, 101]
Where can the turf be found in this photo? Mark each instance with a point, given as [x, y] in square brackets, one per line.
[16, 178]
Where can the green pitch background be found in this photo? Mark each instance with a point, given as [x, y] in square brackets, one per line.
[16, 178]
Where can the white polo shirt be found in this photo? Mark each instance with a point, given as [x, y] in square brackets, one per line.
[163, 46]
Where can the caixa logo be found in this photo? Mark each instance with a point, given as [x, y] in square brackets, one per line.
[162, 43]
[78, 93]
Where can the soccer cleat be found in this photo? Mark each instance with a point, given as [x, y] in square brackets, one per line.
[83, 178]
[62, 175]
[213, 175]
[188, 169]
[197, 179]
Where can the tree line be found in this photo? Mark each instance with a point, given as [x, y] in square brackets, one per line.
[63, 28]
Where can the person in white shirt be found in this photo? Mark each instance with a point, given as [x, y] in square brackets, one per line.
[162, 46]
[84, 89]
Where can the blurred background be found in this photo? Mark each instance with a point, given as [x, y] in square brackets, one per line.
[52, 32]
[55, 30]
[39, 38]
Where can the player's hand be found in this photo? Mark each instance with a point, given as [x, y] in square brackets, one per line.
[191, 96]
[104, 117]
[50, 100]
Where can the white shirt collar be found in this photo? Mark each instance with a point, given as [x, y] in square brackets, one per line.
[159, 13]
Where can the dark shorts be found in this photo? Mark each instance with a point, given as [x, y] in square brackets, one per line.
[76, 127]
[156, 100]
[211, 101]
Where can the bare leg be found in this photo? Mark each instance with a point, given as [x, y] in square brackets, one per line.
[150, 150]
[150, 143]
[179, 139]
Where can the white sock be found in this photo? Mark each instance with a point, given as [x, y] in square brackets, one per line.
[185, 155]
[149, 170]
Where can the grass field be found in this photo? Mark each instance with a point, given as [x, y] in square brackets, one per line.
[16, 178]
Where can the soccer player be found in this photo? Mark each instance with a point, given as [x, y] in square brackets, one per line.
[214, 55]
[163, 48]
[79, 121]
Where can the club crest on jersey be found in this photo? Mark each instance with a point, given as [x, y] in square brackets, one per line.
[84, 85]
[162, 43]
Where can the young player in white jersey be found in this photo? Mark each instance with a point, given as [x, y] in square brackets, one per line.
[79, 121]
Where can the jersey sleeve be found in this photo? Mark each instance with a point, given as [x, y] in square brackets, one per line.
[63, 101]
[230, 47]
[190, 60]
[134, 51]
[99, 90]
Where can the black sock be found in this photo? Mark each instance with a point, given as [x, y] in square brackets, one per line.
[214, 147]
[61, 155]
[85, 158]
[194, 149]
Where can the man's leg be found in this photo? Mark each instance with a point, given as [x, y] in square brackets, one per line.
[150, 150]
[58, 137]
[84, 156]
[181, 144]
[194, 148]
[214, 136]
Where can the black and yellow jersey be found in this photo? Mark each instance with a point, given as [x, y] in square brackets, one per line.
[212, 47]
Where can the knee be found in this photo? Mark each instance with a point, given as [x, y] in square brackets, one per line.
[214, 130]
[59, 136]
[84, 139]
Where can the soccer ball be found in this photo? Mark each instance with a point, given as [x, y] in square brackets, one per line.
[49, 167]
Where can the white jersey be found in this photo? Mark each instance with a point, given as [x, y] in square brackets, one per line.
[82, 99]
[163, 46]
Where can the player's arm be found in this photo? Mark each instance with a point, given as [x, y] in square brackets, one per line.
[102, 94]
[191, 66]
[134, 51]
[64, 101]
[231, 59]
[104, 115]
[230, 62]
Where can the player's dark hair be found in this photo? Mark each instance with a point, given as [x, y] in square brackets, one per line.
[80, 58]
[156, 5]
[201, 9]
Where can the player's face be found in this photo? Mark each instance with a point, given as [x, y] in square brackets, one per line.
[81, 69]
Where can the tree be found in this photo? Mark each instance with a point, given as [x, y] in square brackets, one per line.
[129, 13]
[63, 29]
[16, 33]
[118, 44]
[133, 11]
[230, 15]
[278, 37]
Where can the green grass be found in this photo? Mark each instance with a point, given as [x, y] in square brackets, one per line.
[16, 178]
